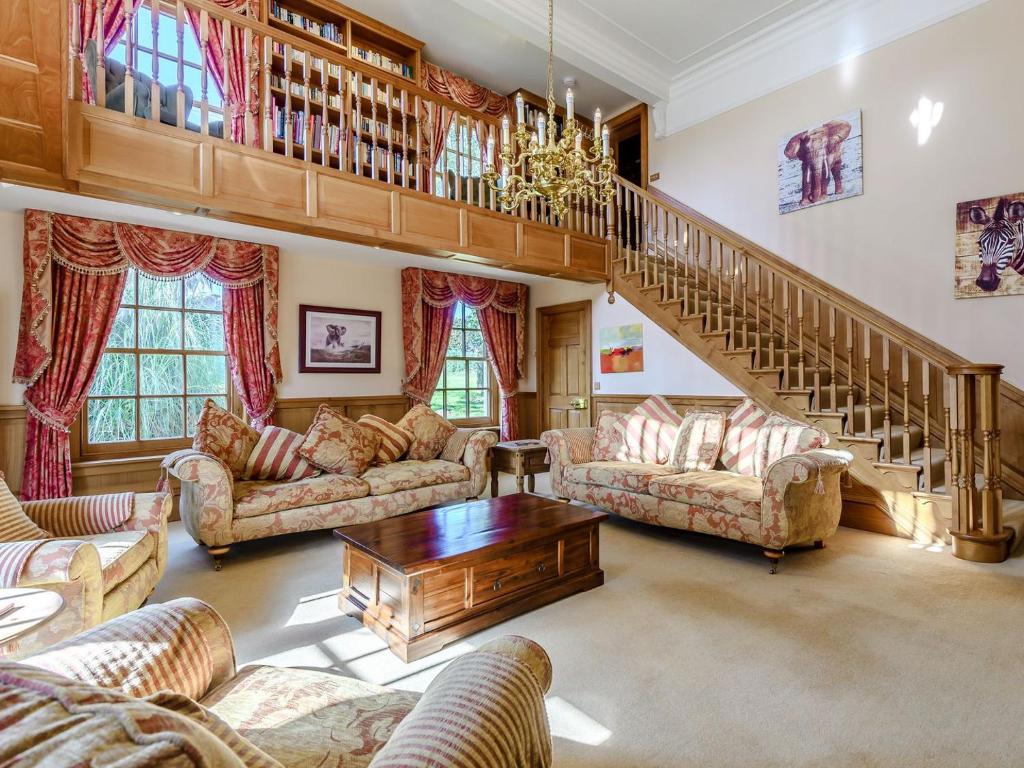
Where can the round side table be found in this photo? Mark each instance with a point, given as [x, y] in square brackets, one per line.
[26, 610]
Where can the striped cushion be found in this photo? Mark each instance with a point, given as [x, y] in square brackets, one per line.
[275, 457]
[650, 431]
[780, 437]
[745, 422]
[699, 441]
[581, 443]
[456, 445]
[83, 515]
[15, 525]
[394, 440]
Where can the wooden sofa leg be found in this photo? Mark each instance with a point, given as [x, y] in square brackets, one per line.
[563, 499]
[773, 555]
[217, 553]
[819, 544]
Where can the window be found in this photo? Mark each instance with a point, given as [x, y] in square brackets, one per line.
[165, 356]
[167, 58]
[465, 392]
[461, 157]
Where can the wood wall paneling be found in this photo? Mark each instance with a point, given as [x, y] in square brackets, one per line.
[682, 403]
[12, 444]
[586, 255]
[491, 235]
[353, 203]
[543, 247]
[251, 181]
[430, 222]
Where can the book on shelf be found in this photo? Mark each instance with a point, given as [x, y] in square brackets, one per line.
[385, 62]
[325, 30]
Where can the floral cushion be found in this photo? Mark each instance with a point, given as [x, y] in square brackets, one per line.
[409, 474]
[335, 443]
[740, 440]
[623, 475]
[721, 491]
[609, 442]
[430, 432]
[122, 553]
[15, 525]
[253, 498]
[224, 435]
[780, 437]
[276, 457]
[699, 441]
[394, 441]
[649, 431]
[309, 718]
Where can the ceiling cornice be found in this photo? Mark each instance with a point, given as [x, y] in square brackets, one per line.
[820, 37]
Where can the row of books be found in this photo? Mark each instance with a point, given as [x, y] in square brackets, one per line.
[382, 159]
[381, 129]
[298, 91]
[315, 122]
[378, 59]
[325, 30]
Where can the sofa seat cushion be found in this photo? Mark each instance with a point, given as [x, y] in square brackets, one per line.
[121, 554]
[304, 717]
[622, 475]
[715, 489]
[410, 474]
[254, 498]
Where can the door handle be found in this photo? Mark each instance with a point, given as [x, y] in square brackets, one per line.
[578, 403]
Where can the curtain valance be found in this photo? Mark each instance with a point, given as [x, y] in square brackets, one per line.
[452, 86]
[97, 247]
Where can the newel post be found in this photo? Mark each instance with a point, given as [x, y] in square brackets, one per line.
[978, 533]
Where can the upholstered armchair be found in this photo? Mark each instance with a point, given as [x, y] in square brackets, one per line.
[485, 710]
[100, 571]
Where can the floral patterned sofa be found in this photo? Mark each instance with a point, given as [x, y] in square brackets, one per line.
[751, 476]
[159, 687]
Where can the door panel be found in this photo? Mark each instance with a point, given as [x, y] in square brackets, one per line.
[563, 382]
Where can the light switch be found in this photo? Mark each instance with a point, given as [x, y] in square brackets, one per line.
[597, 386]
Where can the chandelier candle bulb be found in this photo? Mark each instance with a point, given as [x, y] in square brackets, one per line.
[597, 122]
[569, 105]
[606, 142]
[579, 141]
[520, 109]
[504, 132]
[490, 146]
[541, 132]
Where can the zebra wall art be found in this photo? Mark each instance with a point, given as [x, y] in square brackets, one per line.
[990, 247]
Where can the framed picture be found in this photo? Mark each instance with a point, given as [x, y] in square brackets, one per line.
[622, 348]
[821, 164]
[989, 258]
[338, 340]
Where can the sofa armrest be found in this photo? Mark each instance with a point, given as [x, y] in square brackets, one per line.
[801, 502]
[150, 513]
[565, 448]
[452, 724]
[477, 458]
[182, 646]
[207, 496]
[77, 516]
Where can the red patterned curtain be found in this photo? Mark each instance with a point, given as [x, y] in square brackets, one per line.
[241, 87]
[465, 92]
[501, 306]
[88, 22]
[73, 262]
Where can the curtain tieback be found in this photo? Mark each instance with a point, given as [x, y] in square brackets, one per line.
[49, 421]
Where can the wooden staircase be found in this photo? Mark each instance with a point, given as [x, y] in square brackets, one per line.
[799, 347]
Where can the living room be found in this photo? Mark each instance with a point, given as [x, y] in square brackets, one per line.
[374, 401]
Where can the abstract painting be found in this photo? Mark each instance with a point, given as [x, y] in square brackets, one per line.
[821, 164]
[338, 340]
[989, 247]
[622, 349]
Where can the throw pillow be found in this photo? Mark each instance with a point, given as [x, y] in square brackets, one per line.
[650, 431]
[338, 445]
[781, 437]
[15, 525]
[224, 435]
[699, 441]
[456, 445]
[276, 457]
[745, 422]
[430, 432]
[609, 443]
[394, 441]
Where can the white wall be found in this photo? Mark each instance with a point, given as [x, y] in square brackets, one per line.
[892, 247]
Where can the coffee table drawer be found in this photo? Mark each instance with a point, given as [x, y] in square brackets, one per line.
[515, 572]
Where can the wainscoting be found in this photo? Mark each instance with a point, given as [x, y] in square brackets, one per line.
[682, 403]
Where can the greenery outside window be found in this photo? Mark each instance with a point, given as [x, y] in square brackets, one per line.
[466, 393]
[165, 356]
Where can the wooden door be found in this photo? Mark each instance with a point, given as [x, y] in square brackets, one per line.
[563, 365]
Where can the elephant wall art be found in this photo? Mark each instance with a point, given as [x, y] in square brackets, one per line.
[821, 164]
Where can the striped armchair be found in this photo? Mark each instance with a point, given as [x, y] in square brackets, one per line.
[485, 710]
[103, 554]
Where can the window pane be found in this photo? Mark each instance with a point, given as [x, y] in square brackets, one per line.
[115, 375]
[455, 342]
[455, 373]
[472, 319]
[159, 293]
[122, 335]
[128, 297]
[191, 47]
[478, 403]
[204, 331]
[477, 373]
[111, 421]
[437, 401]
[161, 374]
[161, 417]
[144, 61]
[202, 293]
[167, 38]
[456, 406]
[475, 344]
[159, 329]
[207, 374]
[195, 407]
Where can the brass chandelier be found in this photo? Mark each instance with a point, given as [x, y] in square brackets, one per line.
[547, 165]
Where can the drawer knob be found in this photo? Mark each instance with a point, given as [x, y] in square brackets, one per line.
[497, 585]
[541, 567]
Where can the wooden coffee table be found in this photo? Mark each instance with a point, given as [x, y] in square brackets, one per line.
[428, 578]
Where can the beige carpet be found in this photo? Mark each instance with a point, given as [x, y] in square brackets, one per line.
[869, 653]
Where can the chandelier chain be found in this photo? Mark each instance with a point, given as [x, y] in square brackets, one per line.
[551, 57]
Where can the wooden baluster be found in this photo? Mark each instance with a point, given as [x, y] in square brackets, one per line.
[675, 258]
[74, 46]
[179, 29]
[787, 317]
[687, 245]
[734, 273]
[771, 320]
[307, 122]
[709, 298]
[758, 357]
[949, 465]
[357, 127]
[390, 126]
[833, 376]
[268, 97]
[154, 88]
[719, 268]
[851, 426]
[129, 58]
[926, 443]
[252, 119]
[801, 359]
[905, 371]
[325, 115]
[485, 131]
[817, 354]
[886, 401]
[652, 217]
[229, 92]
[100, 75]
[745, 261]
[204, 75]
[404, 100]
[289, 134]
[870, 431]
[374, 130]
[420, 161]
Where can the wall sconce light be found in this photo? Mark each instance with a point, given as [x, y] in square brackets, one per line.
[925, 118]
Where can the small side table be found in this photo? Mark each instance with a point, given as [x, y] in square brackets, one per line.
[522, 458]
[33, 608]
